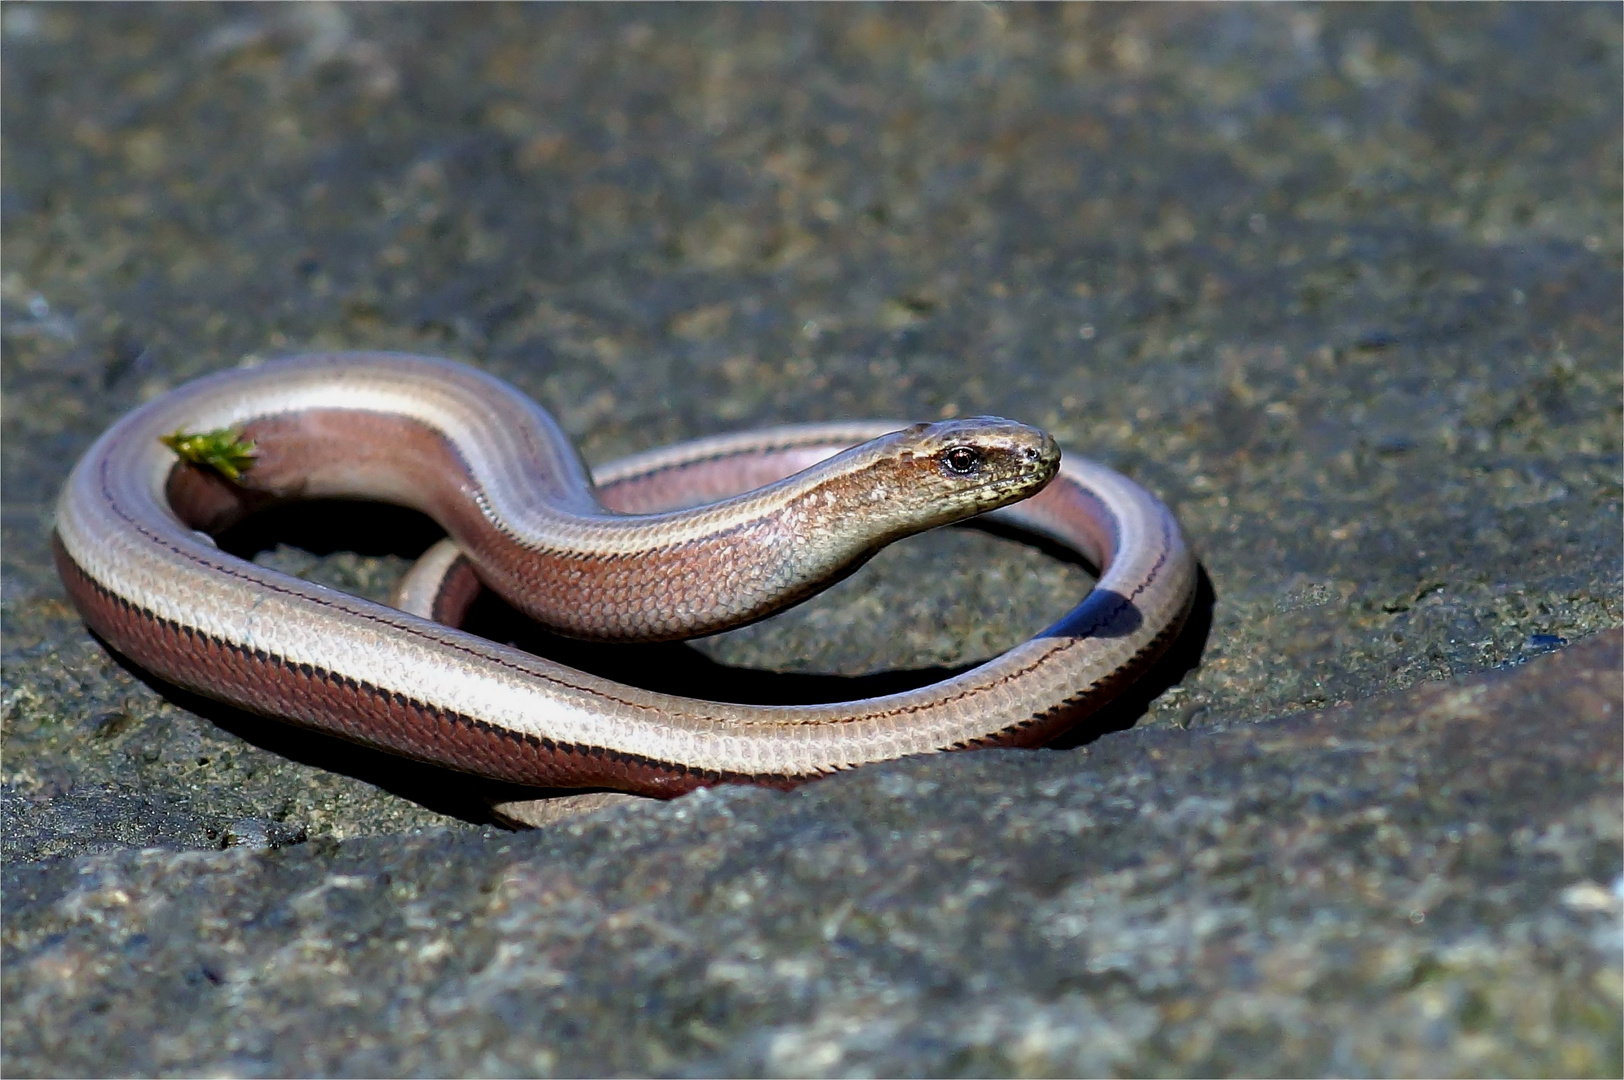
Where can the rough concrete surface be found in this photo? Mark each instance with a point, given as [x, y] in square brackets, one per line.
[1342, 284]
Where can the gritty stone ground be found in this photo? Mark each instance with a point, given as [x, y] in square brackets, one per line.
[1340, 284]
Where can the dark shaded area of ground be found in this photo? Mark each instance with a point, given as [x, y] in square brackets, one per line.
[1422, 884]
[1340, 283]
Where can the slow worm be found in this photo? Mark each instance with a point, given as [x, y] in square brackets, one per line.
[672, 543]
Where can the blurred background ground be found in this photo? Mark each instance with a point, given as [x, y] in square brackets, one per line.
[1342, 284]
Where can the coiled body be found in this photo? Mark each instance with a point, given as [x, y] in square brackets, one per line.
[471, 451]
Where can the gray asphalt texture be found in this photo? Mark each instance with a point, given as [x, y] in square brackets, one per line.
[1341, 284]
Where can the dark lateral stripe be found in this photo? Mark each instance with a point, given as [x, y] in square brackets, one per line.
[357, 710]
[365, 713]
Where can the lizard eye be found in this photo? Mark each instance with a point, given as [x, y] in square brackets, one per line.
[961, 460]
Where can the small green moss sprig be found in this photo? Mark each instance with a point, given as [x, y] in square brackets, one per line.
[223, 450]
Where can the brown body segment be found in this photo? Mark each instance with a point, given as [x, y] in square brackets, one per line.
[370, 715]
